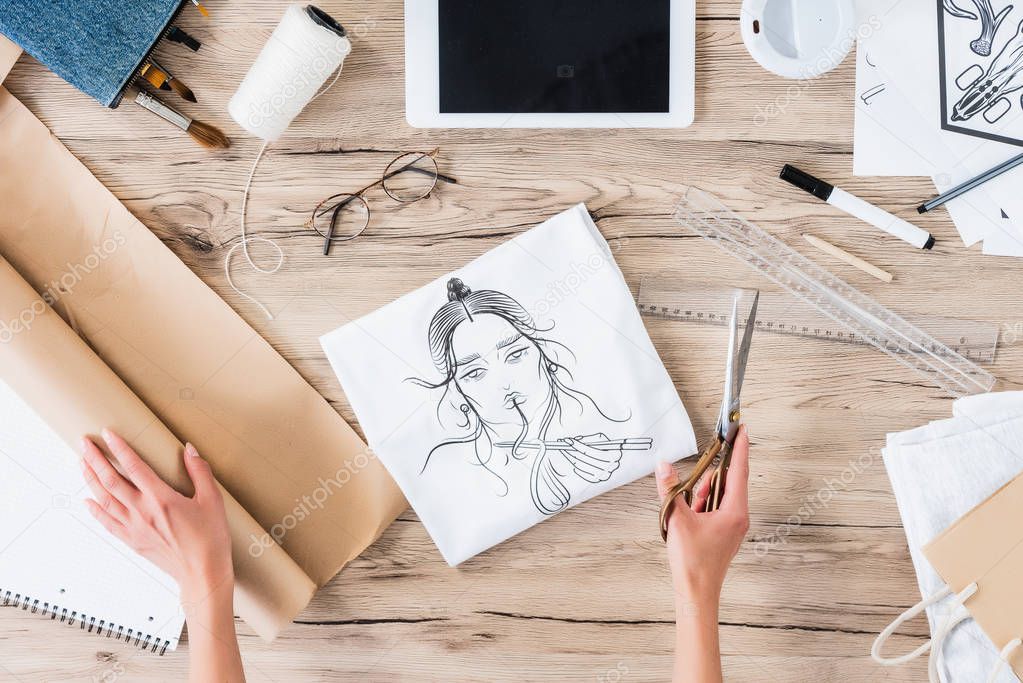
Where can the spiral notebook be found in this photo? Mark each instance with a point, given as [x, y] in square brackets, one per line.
[59, 563]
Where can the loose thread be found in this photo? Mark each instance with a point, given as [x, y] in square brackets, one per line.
[303, 46]
[244, 244]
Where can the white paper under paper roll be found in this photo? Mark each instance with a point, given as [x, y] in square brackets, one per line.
[301, 54]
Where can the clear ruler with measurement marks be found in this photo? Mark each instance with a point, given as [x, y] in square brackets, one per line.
[849, 309]
[672, 297]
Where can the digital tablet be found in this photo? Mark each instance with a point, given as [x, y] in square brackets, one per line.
[550, 63]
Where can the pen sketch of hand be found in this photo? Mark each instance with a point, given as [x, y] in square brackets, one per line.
[590, 463]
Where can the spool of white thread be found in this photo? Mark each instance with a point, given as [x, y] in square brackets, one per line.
[301, 54]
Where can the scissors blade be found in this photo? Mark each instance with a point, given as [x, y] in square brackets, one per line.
[729, 389]
[747, 340]
[735, 367]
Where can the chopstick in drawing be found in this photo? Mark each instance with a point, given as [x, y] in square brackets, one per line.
[608, 445]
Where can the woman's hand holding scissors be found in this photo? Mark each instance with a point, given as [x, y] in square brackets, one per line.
[701, 546]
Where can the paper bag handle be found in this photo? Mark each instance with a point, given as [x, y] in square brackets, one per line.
[950, 622]
[890, 629]
[935, 643]
[1003, 658]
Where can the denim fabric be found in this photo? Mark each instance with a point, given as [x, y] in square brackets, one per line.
[95, 45]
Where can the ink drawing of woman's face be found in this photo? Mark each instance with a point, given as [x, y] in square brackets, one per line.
[499, 370]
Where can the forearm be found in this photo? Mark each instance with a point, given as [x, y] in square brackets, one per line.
[212, 642]
[697, 650]
[701, 546]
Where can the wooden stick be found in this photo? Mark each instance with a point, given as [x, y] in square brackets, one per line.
[854, 261]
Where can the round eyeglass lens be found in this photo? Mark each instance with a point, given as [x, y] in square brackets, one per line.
[410, 177]
[348, 213]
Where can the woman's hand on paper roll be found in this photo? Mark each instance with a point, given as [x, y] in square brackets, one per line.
[186, 537]
[701, 546]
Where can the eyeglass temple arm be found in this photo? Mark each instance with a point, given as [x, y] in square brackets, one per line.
[351, 197]
[411, 167]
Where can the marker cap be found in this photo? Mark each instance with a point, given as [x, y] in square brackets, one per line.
[806, 182]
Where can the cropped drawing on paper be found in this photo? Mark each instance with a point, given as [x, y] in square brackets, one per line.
[507, 394]
[980, 59]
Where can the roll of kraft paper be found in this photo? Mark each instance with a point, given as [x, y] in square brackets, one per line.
[207, 375]
[854, 206]
[56, 374]
[301, 54]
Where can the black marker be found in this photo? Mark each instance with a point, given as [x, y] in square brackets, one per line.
[854, 206]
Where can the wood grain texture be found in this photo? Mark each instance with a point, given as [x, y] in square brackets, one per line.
[585, 596]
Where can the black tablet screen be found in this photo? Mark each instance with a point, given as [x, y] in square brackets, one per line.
[554, 56]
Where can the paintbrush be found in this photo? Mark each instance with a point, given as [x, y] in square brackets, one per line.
[169, 80]
[156, 77]
[179, 35]
[205, 134]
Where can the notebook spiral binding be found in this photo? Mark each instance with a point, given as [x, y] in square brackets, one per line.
[143, 641]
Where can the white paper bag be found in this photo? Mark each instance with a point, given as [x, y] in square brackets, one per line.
[939, 472]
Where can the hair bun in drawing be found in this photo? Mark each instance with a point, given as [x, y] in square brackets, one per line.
[458, 290]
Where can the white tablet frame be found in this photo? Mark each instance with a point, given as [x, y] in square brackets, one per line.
[422, 80]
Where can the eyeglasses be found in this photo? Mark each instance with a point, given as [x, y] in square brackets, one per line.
[408, 178]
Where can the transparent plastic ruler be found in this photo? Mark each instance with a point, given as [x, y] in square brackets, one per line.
[854, 312]
[672, 296]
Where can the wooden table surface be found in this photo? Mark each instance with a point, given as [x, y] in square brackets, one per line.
[586, 595]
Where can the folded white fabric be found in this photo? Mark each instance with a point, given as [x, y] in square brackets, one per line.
[941, 471]
[513, 388]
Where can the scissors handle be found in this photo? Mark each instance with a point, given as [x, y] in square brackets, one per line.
[686, 488]
[717, 481]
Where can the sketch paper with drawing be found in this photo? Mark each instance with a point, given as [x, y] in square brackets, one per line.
[980, 46]
[513, 388]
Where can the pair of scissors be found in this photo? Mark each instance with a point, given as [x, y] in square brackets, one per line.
[719, 453]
